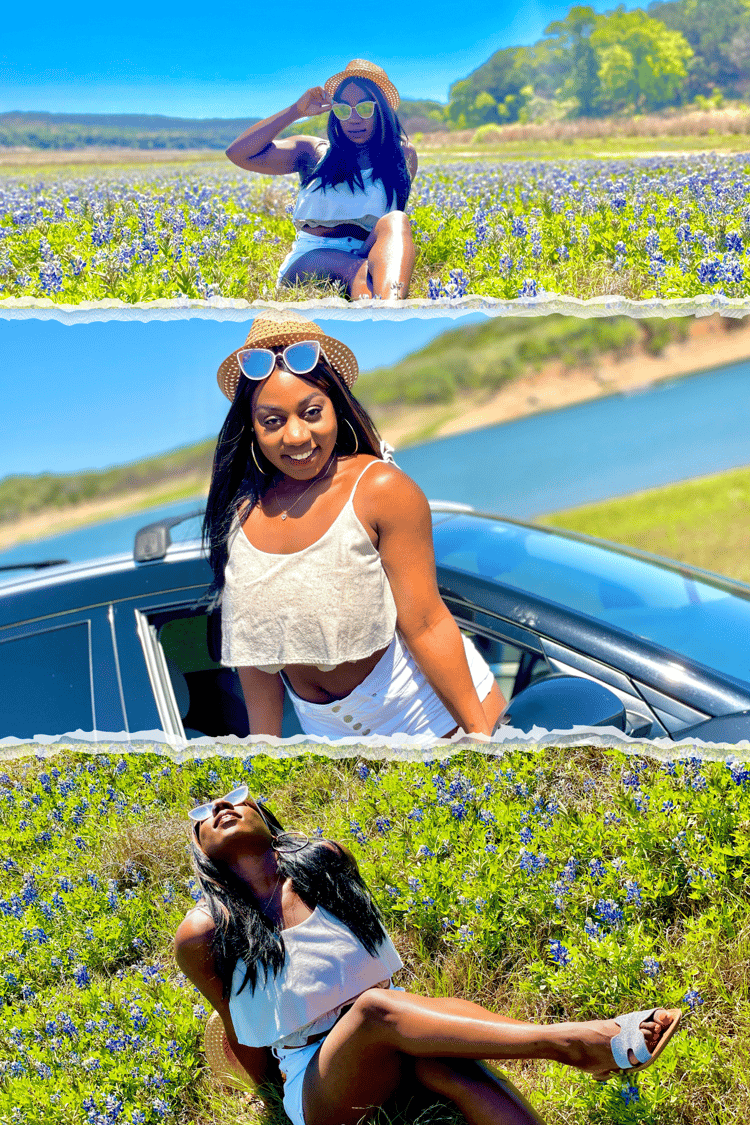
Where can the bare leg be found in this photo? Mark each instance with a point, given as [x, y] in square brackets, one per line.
[390, 260]
[361, 1062]
[482, 1095]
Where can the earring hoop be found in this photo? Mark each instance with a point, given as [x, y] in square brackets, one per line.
[255, 459]
[356, 442]
[299, 838]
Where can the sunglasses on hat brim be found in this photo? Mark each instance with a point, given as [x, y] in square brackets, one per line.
[299, 359]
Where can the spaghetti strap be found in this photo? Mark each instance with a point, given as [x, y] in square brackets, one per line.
[377, 461]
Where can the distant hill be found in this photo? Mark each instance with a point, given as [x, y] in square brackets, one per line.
[37, 130]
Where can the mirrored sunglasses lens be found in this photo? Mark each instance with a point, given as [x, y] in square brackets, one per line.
[237, 796]
[256, 363]
[302, 357]
[341, 110]
[200, 813]
[366, 109]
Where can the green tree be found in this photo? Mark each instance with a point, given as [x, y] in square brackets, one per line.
[571, 43]
[719, 33]
[642, 63]
[503, 77]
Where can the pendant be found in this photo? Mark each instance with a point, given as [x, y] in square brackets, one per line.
[283, 515]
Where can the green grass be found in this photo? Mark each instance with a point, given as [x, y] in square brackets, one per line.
[479, 863]
[703, 522]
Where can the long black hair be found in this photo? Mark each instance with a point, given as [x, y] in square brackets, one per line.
[236, 479]
[339, 164]
[322, 874]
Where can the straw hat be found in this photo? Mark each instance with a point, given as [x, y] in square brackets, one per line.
[279, 329]
[221, 1058]
[361, 68]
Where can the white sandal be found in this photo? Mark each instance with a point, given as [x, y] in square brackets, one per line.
[631, 1038]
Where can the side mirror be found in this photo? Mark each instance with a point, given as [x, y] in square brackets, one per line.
[559, 702]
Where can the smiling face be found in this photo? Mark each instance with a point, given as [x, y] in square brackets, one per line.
[295, 425]
[357, 129]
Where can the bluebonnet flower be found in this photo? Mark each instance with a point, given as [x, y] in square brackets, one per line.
[81, 976]
[609, 912]
[693, 999]
[362, 771]
[633, 892]
[530, 288]
[651, 967]
[629, 1093]
[591, 929]
[559, 953]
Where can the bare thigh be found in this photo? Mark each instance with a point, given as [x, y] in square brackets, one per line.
[334, 265]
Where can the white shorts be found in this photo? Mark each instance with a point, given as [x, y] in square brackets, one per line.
[394, 699]
[293, 1062]
[305, 242]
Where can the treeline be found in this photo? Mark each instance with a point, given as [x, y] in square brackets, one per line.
[146, 131]
[483, 357]
[24, 495]
[150, 131]
[677, 53]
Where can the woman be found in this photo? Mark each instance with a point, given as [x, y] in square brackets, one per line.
[349, 214]
[289, 948]
[322, 552]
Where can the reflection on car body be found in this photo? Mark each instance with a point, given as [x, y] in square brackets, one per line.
[127, 644]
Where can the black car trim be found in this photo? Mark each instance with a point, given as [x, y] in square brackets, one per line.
[23, 622]
[637, 657]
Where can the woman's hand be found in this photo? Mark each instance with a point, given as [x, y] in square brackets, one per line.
[313, 101]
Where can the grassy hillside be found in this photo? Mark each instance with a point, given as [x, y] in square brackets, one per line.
[482, 357]
[703, 522]
[23, 495]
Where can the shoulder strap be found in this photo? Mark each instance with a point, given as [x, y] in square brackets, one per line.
[359, 478]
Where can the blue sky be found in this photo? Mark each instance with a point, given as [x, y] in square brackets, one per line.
[248, 59]
[91, 395]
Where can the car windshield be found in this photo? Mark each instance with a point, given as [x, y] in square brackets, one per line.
[697, 618]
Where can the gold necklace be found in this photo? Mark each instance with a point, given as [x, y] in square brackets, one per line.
[284, 512]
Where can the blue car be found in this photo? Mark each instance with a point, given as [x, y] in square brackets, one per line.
[578, 632]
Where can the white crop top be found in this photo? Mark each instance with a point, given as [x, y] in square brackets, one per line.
[325, 605]
[325, 966]
[334, 205]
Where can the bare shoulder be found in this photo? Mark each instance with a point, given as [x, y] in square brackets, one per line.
[389, 494]
[194, 934]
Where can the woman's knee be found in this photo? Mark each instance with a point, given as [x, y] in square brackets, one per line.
[394, 223]
[374, 1008]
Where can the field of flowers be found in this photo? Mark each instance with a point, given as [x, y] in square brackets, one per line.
[660, 226]
[560, 884]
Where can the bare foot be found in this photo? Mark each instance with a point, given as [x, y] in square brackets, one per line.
[592, 1051]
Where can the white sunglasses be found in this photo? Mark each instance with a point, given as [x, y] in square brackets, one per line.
[203, 812]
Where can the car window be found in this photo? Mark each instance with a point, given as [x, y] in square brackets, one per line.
[704, 620]
[46, 678]
[208, 696]
[514, 668]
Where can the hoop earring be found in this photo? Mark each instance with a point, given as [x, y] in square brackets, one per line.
[255, 459]
[356, 442]
[299, 838]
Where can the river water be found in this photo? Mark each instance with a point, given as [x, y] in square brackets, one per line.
[594, 450]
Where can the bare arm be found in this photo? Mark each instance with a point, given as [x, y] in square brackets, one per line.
[401, 517]
[193, 952]
[257, 149]
[264, 699]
